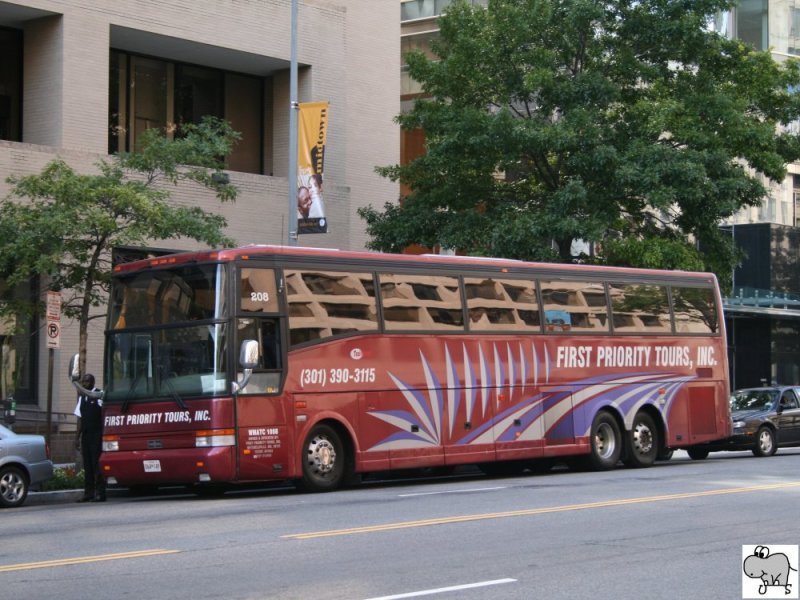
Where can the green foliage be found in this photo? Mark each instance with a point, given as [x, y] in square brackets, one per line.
[549, 121]
[62, 225]
[64, 478]
[653, 253]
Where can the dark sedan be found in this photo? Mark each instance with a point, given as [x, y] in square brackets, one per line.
[764, 418]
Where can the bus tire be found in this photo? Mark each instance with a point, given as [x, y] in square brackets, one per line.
[697, 453]
[209, 490]
[323, 460]
[606, 442]
[503, 468]
[665, 454]
[642, 442]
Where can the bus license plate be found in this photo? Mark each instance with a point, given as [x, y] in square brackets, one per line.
[152, 466]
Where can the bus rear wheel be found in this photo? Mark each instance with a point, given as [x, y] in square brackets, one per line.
[323, 460]
[606, 442]
[642, 442]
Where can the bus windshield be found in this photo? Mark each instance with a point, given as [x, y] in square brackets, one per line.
[167, 337]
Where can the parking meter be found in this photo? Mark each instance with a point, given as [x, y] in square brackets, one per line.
[9, 410]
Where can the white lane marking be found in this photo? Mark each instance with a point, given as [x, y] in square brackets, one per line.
[489, 489]
[454, 588]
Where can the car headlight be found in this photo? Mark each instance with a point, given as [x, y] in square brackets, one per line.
[739, 424]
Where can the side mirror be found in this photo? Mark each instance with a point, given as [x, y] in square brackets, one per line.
[248, 355]
[248, 360]
[74, 369]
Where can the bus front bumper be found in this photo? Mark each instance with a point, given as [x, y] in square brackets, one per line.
[169, 467]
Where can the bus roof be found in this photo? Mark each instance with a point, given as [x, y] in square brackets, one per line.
[443, 260]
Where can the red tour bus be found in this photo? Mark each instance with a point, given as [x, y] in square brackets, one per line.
[271, 363]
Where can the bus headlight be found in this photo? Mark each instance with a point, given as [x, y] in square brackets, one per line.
[110, 443]
[215, 438]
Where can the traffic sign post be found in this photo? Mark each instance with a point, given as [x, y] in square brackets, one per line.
[53, 331]
[53, 327]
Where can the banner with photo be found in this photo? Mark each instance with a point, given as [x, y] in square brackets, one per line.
[312, 133]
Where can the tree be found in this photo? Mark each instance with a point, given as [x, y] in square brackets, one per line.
[549, 121]
[61, 225]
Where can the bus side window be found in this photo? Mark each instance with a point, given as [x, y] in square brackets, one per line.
[695, 310]
[574, 306]
[270, 347]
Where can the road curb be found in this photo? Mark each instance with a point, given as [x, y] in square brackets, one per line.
[56, 497]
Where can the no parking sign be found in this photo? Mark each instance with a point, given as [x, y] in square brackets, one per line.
[53, 327]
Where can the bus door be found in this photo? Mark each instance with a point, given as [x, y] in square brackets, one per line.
[264, 438]
[261, 414]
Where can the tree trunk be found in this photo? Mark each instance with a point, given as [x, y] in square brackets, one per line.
[565, 249]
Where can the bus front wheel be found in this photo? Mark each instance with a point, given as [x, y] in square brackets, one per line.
[642, 442]
[323, 460]
[606, 442]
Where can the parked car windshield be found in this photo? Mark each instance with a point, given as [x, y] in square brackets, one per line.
[753, 399]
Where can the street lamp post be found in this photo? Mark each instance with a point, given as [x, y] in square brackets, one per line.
[293, 107]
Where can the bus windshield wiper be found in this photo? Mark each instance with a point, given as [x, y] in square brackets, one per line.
[131, 392]
[175, 395]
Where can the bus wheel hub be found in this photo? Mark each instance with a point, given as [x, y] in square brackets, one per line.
[322, 455]
[643, 438]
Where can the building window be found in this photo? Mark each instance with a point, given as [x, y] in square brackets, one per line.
[18, 348]
[794, 15]
[424, 9]
[150, 92]
[198, 93]
[752, 23]
[796, 196]
[11, 85]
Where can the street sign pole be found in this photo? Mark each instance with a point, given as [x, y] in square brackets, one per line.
[293, 107]
[53, 332]
[49, 432]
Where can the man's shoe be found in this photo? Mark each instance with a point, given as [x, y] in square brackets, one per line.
[85, 499]
[99, 499]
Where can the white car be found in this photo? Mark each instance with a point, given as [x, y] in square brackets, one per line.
[24, 461]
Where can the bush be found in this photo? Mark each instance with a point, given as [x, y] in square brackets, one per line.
[64, 478]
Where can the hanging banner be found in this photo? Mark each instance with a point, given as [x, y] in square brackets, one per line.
[312, 132]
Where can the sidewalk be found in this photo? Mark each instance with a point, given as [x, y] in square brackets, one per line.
[55, 497]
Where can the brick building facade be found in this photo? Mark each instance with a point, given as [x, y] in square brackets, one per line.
[82, 79]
